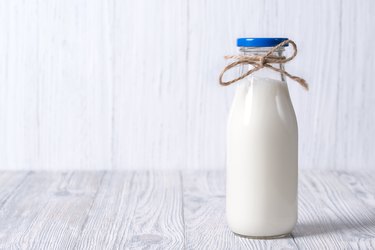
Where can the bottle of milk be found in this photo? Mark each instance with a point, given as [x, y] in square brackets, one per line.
[262, 150]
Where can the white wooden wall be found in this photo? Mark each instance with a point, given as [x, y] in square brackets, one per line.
[120, 84]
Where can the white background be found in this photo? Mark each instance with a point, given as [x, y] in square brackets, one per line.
[120, 84]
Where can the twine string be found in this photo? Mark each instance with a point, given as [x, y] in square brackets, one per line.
[262, 61]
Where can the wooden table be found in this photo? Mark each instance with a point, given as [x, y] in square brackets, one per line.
[172, 210]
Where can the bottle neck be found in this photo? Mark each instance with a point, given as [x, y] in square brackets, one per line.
[264, 72]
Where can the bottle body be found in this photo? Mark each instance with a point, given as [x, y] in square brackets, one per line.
[262, 159]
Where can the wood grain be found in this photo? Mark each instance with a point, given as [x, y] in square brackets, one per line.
[172, 210]
[136, 211]
[331, 215]
[361, 184]
[47, 210]
[204, 213]
[10, 182]
[111, 84]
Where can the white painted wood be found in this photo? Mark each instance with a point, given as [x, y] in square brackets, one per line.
[110, 84]
[204, 216]
[150, 46]
[55, 85]
[169, 210]
[10, 182]
[361, 183]
[48, 210]
[21, 209]
[331, 215]
[140, 210]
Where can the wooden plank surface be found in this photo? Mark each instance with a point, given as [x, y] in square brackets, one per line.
[47, 210]
[95, 84]
[10, 182]
[172, 210]
[136, 210]
[19, 212]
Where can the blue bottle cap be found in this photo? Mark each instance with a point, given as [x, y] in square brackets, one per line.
[259, 41]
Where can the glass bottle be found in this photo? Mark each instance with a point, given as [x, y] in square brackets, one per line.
[262, 150]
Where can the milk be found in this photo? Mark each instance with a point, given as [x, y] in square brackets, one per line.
[262, 159]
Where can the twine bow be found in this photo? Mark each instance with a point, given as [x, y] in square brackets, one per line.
[263, 61]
